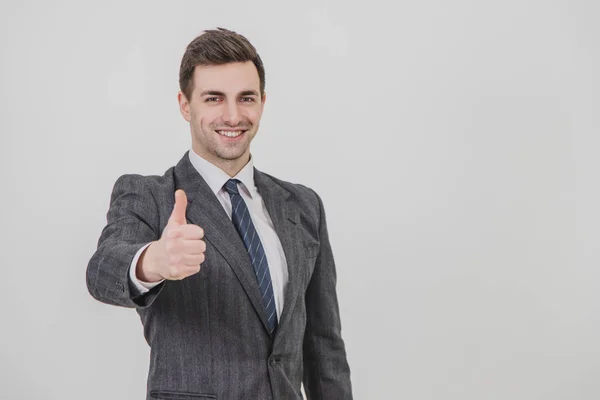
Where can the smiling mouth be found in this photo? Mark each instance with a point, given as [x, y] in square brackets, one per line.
[230, 133]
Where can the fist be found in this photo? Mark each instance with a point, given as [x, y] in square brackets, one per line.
[180, 250]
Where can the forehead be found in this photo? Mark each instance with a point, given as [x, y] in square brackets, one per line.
[228, 78]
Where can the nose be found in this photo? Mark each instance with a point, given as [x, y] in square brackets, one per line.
[231, 113]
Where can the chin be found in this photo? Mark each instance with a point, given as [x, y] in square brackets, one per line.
[230, 156]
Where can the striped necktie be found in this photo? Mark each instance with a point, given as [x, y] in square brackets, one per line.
[243, 223]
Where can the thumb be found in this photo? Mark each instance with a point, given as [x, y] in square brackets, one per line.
[178, 214]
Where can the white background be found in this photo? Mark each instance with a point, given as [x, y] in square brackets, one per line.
[453, 143]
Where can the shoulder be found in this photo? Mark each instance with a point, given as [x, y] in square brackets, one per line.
[136, 182]
[298, 190]
[146, 186]
[305, 197]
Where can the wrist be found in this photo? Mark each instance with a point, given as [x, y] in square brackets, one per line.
[144, 270]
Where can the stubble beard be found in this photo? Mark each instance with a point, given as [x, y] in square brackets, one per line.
[229, 153]
[213, 148]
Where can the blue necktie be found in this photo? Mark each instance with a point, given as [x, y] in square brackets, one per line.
[243, 223]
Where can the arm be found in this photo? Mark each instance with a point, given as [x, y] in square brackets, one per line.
[326, 370]
[132, 222]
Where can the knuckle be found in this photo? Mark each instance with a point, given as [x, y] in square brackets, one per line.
[174, 258]
[171, 232]
[196, 231]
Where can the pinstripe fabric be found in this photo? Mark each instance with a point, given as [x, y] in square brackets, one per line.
[245, 227]
[208, 333]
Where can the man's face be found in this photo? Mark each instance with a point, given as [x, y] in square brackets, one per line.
[224, 112]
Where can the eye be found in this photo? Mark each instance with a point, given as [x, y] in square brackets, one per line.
[247, 99]
[212, 99]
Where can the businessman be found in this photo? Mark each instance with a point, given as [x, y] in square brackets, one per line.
[229, 268]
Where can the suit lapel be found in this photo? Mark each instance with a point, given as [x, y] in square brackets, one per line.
[205, 210]
[285, 219]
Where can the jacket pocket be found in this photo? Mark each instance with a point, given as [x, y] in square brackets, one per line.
[172, 395]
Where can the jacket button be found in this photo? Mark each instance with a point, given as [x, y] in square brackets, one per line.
[273, 361]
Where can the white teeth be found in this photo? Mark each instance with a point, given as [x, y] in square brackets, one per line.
[230, 133]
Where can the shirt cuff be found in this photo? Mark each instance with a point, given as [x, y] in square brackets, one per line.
[143, 287]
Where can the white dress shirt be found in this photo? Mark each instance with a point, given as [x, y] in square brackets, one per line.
[216, 178]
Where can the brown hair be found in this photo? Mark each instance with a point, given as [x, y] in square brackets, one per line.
[216, 47]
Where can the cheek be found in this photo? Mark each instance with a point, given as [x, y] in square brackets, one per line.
[254, 115]
[207, 117]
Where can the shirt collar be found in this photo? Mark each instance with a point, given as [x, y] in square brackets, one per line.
[215, 177]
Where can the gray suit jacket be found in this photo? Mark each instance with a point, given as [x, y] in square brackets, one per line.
[208, 333]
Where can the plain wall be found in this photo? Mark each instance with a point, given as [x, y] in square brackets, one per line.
[454, 145]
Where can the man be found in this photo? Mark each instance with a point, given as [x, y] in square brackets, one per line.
[230, 269]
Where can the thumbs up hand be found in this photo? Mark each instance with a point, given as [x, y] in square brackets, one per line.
[179, 252]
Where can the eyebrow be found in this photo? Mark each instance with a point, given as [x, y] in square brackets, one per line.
[219, 93]
[249, 93]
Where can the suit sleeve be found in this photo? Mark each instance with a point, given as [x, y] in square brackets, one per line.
[326, 370]
[132, 222]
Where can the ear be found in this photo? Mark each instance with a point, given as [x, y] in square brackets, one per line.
[184, 106]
